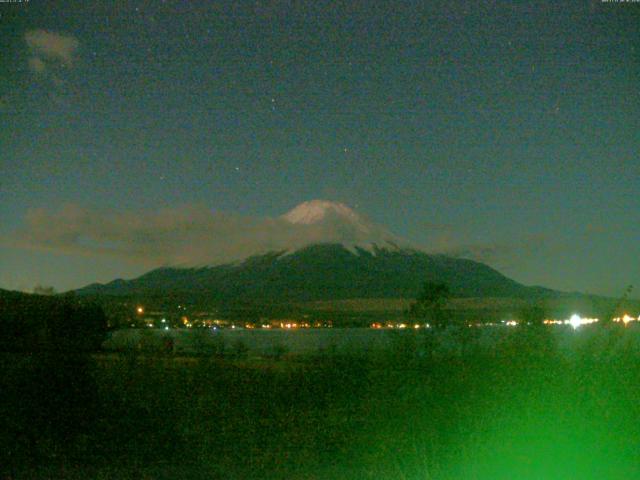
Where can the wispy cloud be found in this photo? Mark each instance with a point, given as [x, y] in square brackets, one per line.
[37, 65]
[187, 235]
[501, 252]
[51, 56]
[49, 48]
[195, 235]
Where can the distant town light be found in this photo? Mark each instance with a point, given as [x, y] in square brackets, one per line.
[140, 310]
[575, 321]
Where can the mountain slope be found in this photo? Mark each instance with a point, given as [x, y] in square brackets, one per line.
[323, 272]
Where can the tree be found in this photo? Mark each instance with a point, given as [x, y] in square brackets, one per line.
[430, 304]
[42, 290]
[607, 315]
[35, 322]
[76, 327]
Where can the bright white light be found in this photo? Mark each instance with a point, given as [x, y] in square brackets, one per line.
[575, 321]
[167, 327]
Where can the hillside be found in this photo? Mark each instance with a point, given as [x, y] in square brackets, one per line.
[324, 272]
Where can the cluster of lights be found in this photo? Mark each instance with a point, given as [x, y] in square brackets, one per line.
[626, 319]
[290, 325]
[401, 326]
[218, 324]
[575, 321]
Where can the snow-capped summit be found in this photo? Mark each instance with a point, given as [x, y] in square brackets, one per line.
[323, 221]
[314, 211]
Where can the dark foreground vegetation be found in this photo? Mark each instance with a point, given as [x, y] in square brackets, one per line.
[519, 408]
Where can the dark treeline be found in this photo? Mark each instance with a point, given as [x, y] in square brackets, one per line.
[33, 323]
[49, 396]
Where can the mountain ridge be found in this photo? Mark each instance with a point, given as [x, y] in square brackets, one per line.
[323, 272]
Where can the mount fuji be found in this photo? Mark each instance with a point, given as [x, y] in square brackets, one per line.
[328, 252]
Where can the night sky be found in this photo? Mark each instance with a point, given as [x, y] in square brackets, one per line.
[507, 132]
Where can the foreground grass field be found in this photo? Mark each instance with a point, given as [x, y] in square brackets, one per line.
[523, 407]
